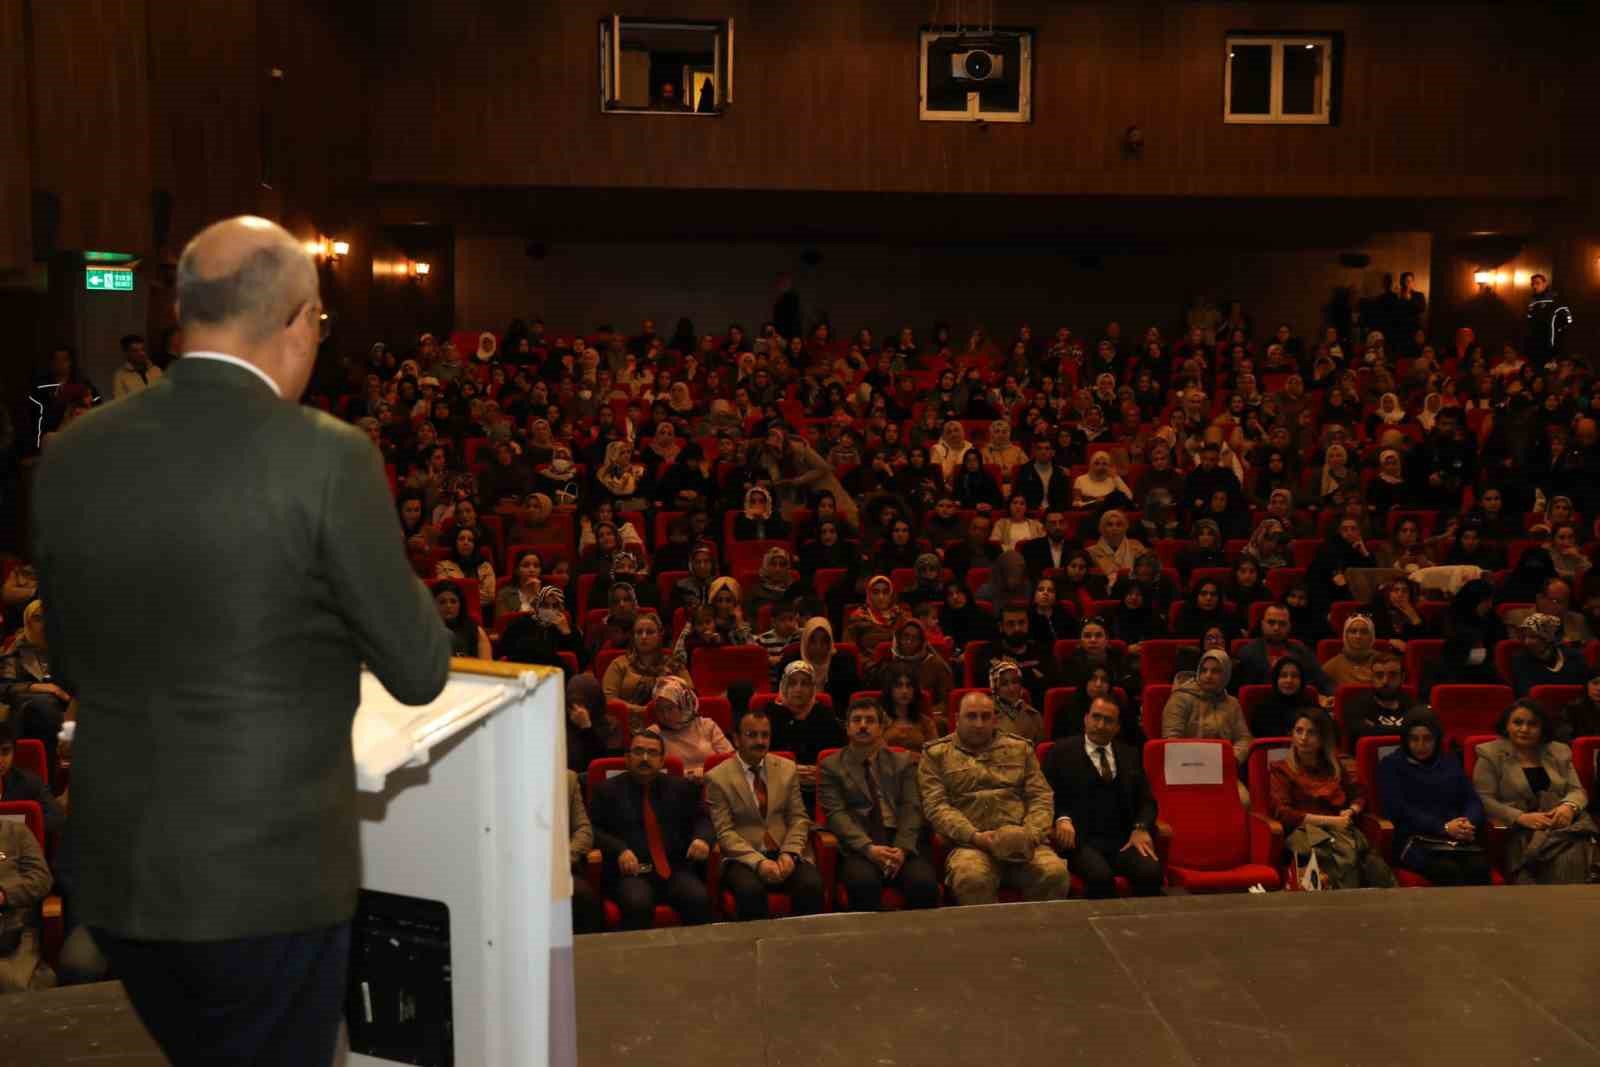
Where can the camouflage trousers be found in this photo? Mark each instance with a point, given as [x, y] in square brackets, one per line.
[975, 877]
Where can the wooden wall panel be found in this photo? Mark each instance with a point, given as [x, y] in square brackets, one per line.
[1437, 100]
[205, 133]
[16, 148]
[91, 98]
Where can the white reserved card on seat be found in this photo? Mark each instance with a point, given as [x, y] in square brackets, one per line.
[1194, 764]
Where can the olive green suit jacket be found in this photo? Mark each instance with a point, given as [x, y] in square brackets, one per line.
[216, 565]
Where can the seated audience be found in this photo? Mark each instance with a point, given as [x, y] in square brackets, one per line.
[1115, 552]
[1379, 711]
[836, 673]
[467, 638]
[541, 636]
[1034, 659]
[911, 720]
[879, 619]
[1105, 813]
[528, 578]
[588, 726]
[588, 913]
[1319, 801]
[800, 725]
[1437, 815]
[762, 828]
[1258, 656]
[654, 836]
[1013, 713]
[1274, 715]
[1542, 660]
[1527, 782]
[983, 792]
[1353, 664]
[37, 700]
[1203, 708]
[632, 676]
[1581, 717]
[872, 802]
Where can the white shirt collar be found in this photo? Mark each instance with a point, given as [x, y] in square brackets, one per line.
[1111, 754]
[223, 357]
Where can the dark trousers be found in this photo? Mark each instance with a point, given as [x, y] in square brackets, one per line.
[804, 888]
[1452, 868]
[864, 883]
[684, 892]
[256, 1000]
[588, 912]
[1099, 862]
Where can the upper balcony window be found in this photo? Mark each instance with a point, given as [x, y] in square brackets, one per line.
[1278, 80]
[665, 67]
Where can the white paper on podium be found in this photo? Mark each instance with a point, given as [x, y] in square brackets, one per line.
[388, 735]
[1199, 764]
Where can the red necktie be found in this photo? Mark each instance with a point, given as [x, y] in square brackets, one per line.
[761, 804]
[652, 833]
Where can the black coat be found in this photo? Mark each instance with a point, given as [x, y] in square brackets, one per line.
[1071, 774]
[616, 810]
[1031, 486]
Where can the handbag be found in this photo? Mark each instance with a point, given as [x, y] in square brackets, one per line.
[1432, 843]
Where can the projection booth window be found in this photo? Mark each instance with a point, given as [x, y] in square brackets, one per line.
[1273, 80]
[665, 67]
[976, 75]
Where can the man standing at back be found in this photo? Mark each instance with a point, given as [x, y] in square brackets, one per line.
[214, 611]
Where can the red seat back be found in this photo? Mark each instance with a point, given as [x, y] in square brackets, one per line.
[1466, 710]
[1152, 703]
[610, 766]
[1344, 694]
[28, 812]
[1585, 751]
[30, 756]
[1552, 698]
[1369, 750]
[1158, 657]
[714, 667]
[1264, 752]
[1469, 749]
[1208, 823]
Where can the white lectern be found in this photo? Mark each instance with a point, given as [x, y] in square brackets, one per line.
[461, 951]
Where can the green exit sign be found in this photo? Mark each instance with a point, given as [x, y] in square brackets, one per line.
[107, 280]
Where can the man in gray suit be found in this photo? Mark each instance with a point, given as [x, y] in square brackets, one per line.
[873, 804]
[220, 561]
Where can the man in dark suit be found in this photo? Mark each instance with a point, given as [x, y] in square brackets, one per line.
[1050, 551]
[654, 835]
[1105, 811]
[213, 801]
[1044, 484]
[873, 804]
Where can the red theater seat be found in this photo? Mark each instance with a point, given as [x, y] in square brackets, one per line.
[1217, 847]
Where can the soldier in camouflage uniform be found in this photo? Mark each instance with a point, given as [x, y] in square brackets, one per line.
[983, 792]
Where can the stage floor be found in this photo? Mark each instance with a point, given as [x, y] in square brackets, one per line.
[1458, 977]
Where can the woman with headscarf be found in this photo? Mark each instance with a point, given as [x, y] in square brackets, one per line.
[1353, 664]
[879, 619]
[1390, 412]
[680, 400]
[1269, 545]
[960, 618]
[1097, 685]
[1407, 551]
[835, 675]
[1203, 708]
[621, 480]
[974, 487]
[1207, 549]
[1436, 812]
[1566, 553]
[1319, 800]
[1542, 660]
[1204, 609]
[1015, 526]
[1336, 477]
[559, 477]
[1135, 619]
[909, 648]
[1387, 490]
[757, 522]
[1008, 581]
[1101, 485]
[627, 568]
[912, 722]
[1432, 404]
[727, 617]
[946, 452]
[1274, 715]
[631, 677]
[1012, 712]
[542, 635]
[1557, 510]
[1526, 781]
[774, 584]
[1115, 551]
[1469, 548]
[687, 734]
[799, 724]
[1000, 451]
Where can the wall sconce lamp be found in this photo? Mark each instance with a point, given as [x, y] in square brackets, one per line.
[420, 270]
[328, 249]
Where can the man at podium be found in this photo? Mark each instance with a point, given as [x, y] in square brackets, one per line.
[214, 817]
